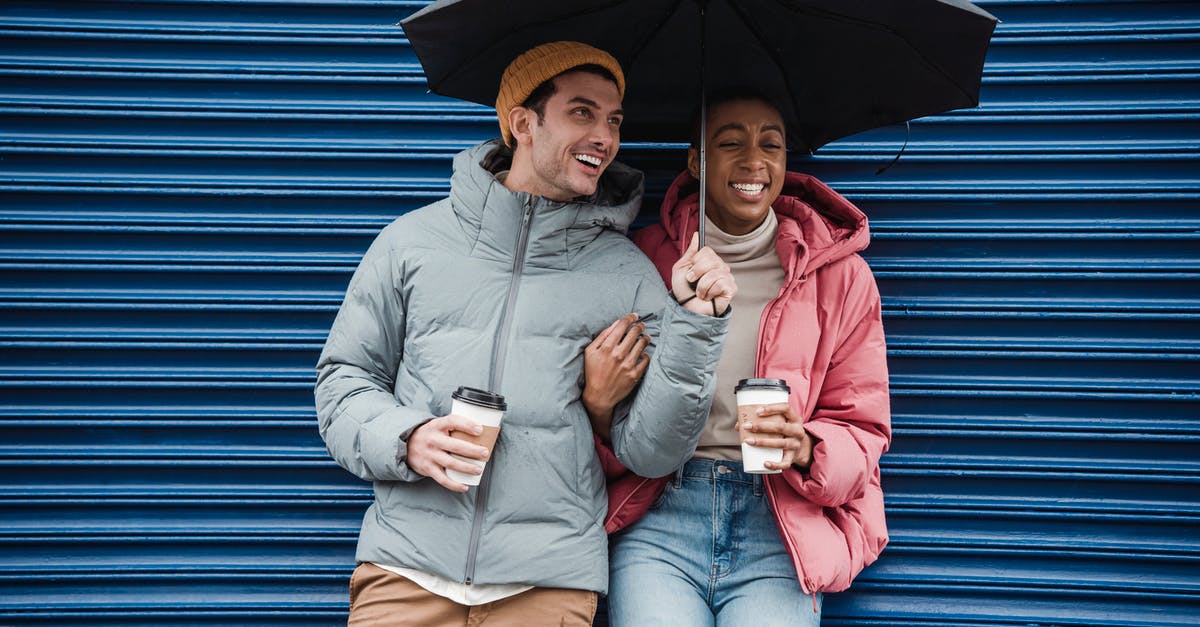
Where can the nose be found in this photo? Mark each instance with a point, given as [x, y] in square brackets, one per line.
[755, 160]
[604, 136]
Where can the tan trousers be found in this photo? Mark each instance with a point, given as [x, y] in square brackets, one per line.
[382, 598]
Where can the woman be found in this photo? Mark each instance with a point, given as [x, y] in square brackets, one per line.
[713, 545]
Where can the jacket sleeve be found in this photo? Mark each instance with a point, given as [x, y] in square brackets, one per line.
[662, 425]
[364, 428]
[852, 420]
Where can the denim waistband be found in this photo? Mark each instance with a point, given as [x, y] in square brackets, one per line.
[714, 470]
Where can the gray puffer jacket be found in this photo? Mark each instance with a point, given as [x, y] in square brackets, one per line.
[501, 290]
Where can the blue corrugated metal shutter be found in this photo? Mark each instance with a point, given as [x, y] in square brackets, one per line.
[187, 185]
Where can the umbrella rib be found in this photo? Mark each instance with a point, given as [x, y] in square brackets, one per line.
[779, 62]
[496, 41]
[837, 17]
[637, 51]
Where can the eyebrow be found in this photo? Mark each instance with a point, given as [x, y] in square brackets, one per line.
[734, 126]
[593, 104]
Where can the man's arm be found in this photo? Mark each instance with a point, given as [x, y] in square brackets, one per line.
[364, 428]
[662, 425]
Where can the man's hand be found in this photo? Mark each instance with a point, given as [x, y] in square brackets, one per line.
[713, 282]
[430, 447]
[778, 426]
[612, 365]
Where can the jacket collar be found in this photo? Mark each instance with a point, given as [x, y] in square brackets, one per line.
[817, 225]
[491, 214]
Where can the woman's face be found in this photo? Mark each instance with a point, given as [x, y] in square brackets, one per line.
[747, 159]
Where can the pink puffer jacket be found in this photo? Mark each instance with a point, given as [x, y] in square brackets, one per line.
[824, 335]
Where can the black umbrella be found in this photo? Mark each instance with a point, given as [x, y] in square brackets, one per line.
[835, 67]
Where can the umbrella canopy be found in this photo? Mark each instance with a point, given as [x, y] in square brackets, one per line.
[835, 67]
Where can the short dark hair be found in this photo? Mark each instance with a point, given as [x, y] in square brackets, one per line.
[538, 97]
[726, 95]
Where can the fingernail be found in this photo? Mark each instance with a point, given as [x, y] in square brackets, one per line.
[484, 452]
[760, 410]
[751, 441]
[691, 276]
[476, 430]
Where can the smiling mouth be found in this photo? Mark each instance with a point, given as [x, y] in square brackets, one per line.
[588, 160]
[752, 189]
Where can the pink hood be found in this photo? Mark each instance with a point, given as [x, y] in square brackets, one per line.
[824, 335]
[821, 219]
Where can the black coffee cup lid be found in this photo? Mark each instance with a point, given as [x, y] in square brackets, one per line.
[483, 398]
[766, 384]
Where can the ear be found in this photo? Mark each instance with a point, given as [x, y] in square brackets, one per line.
[693, 166]
[520, 124]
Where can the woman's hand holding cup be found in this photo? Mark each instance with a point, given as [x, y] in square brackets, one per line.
[778, 426]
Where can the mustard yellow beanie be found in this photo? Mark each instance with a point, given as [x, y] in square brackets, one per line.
[537, 65]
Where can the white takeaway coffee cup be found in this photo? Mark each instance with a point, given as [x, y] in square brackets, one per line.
[752, 394]
[483, 407]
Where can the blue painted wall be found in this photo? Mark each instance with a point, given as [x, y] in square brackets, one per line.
[186, 186]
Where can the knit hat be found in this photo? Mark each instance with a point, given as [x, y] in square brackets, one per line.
[538, 65]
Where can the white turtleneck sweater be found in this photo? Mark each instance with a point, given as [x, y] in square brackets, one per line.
[759, 274]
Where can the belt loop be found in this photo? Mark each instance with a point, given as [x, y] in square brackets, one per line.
[758, 484]
[679, 476]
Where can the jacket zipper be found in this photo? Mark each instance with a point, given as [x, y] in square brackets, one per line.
[766, 315]
[806, 585]
[499, 353]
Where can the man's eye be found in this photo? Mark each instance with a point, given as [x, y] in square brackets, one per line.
[772, 146]
[582, 112]
[616, 121]
[728, 145]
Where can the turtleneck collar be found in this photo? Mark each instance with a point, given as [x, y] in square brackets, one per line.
[752, 245]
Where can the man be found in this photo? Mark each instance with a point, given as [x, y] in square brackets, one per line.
[503, 286]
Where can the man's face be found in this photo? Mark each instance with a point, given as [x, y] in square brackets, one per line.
[576, 138]
[747, 160]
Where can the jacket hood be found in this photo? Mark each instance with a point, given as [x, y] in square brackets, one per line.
[817, 226]
[474, 191]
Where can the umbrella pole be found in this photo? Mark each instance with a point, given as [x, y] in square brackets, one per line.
[703, 123]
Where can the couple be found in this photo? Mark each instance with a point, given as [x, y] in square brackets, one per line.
[523, 282]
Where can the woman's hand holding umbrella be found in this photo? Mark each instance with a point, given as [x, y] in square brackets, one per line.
[701, 281]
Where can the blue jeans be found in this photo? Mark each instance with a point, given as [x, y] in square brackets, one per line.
[707, 553]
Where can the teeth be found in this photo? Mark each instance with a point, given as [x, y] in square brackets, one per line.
[750, 188]
[589, 159]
